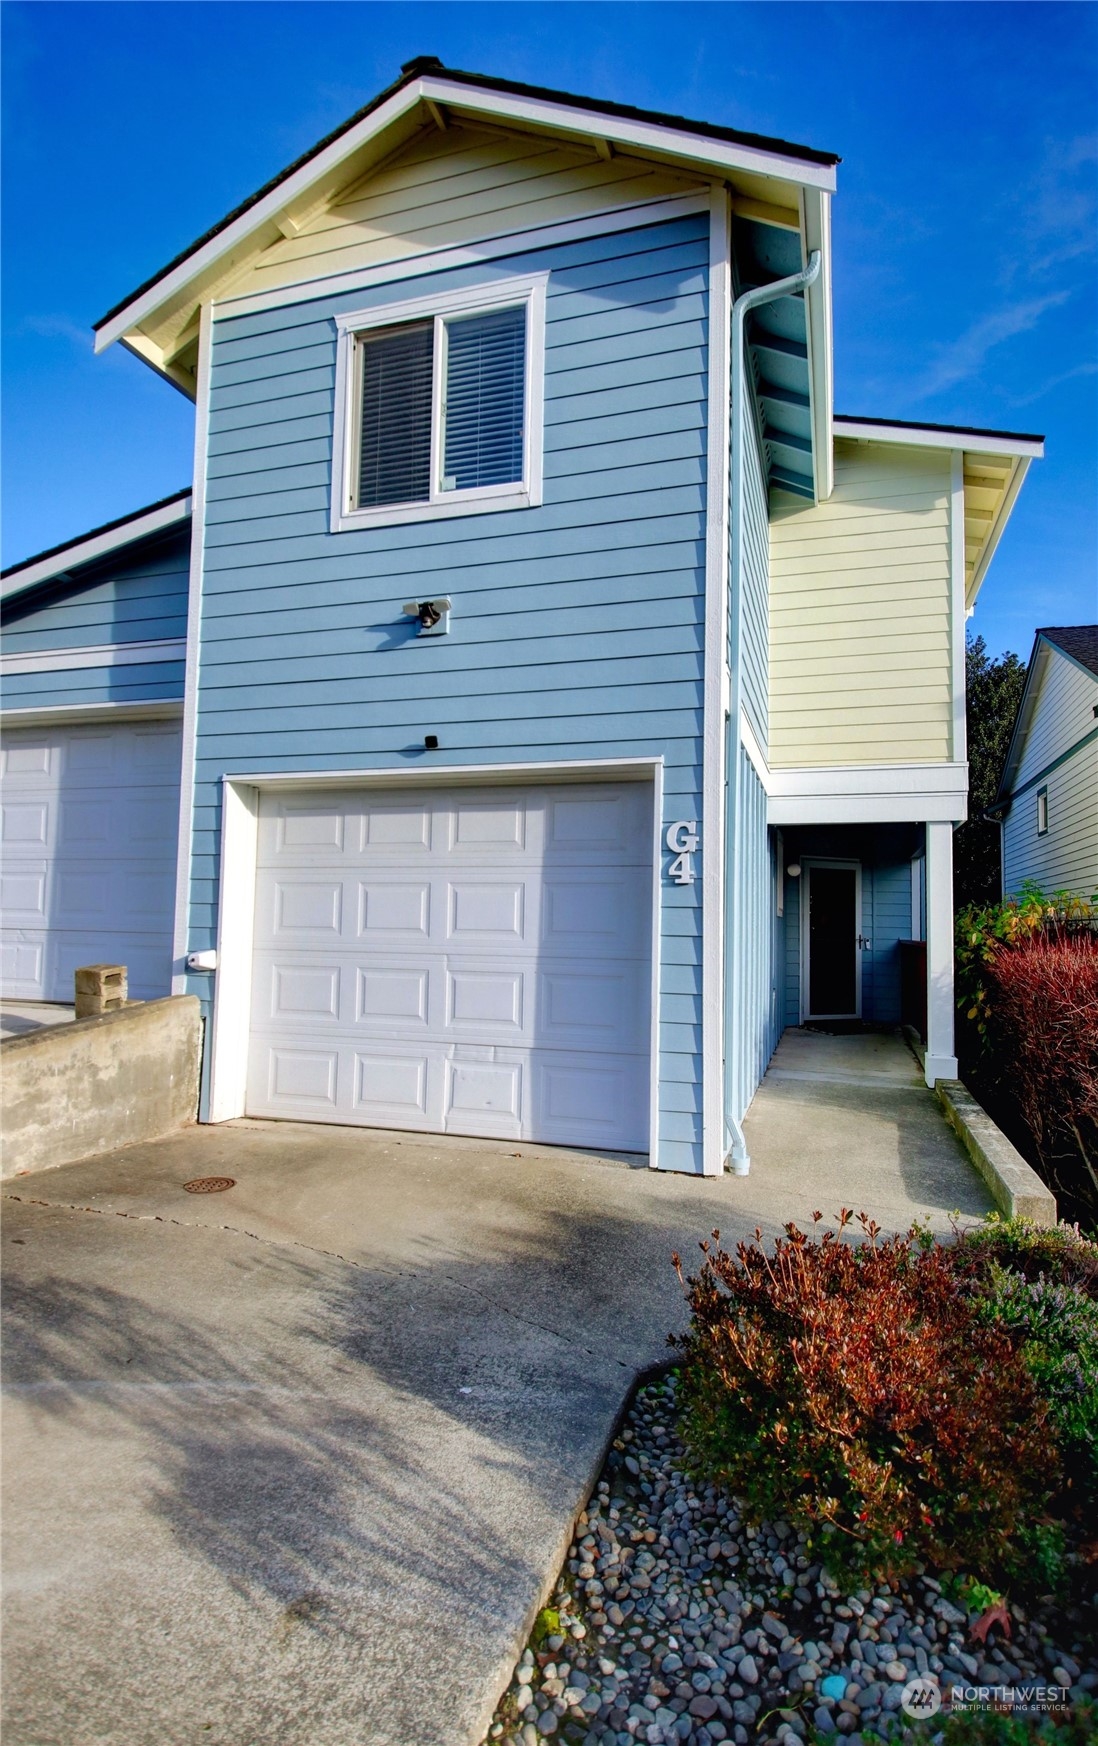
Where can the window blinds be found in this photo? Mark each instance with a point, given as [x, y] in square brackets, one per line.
[485, 391]
[483, 404]
[394, 462]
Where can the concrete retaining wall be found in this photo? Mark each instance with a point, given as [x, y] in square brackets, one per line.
[72, 1091]
[1016, 1188]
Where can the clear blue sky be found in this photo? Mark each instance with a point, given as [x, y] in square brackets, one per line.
[965, 226]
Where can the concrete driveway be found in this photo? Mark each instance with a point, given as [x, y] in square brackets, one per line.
[295, 1463]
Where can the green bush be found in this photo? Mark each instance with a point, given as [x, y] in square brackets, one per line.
[858, 1391]
[1041, 1286]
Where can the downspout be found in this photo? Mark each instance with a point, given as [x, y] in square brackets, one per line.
[738, 1157]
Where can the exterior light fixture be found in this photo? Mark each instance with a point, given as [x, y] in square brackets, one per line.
[432, 616]
[794, 869]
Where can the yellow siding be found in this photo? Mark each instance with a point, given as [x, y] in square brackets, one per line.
[449, 189]
[860, 614]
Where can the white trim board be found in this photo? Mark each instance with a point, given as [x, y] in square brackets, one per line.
[713, 872]
[527, 292]
[236, 896]
[93, 655]
[100, 545]
[193, 647]
[71, 714]
[612, 220]
[925, 437]
[494, 775]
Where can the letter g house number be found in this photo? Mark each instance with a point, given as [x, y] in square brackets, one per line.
[682, 840]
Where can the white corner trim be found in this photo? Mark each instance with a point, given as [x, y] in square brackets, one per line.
[713, 871]
[958, 617]
[100, 545]
[656, 949]
[93, 655]
[190, 680]
[754, 751]
[232, 991]
[635, 216]
[868, 794]
[927, 437]
[528, 291]
[71, 714]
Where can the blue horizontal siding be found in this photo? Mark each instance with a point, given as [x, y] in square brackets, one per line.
[578, 626]
[143, 682]
[140, 595]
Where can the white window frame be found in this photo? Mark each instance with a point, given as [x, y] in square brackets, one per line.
[476, 300]
[1042, 812]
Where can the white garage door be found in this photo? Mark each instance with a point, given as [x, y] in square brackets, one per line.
[88, 823]
[468, 961]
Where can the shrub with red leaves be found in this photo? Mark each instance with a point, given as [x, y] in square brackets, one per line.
[1042, 1001]
[853, 1390]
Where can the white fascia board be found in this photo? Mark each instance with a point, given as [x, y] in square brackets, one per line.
[93, 655]
[1038, 660]
[100, 545]
[1006, 504]
[922, 437]
[706, 154]
[816, 230]
[714, 156]
[233, 237]
[70, 714]
[868, 794]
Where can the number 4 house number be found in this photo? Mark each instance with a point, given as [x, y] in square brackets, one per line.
[682, 840]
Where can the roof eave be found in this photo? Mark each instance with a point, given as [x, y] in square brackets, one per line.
[91, 547]
[716, 157]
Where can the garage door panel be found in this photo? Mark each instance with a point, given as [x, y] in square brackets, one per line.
[25, 823]
[88, 820]
[23, 895]
[394, 910]
[486, 911]
[484, 1097]
[391, 1090]
[479, 1000]
[391, 995]
[30, 758]
[307, 909]
[492, 981]
[497, 826]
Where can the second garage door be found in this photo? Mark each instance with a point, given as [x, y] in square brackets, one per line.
[471, 961]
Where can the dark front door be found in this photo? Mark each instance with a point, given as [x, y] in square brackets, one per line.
[833, 942]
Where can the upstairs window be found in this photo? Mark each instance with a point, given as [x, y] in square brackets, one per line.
[1042, 812]
[440, 414]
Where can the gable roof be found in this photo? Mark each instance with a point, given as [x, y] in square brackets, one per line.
[99, 542]
[1078, 641]
[410, 72]
[159, 321]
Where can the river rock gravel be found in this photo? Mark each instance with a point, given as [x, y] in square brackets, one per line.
[676, 1623]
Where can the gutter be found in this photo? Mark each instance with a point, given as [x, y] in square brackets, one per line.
[738, 1157]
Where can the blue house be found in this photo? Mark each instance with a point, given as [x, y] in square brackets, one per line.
[540, 697]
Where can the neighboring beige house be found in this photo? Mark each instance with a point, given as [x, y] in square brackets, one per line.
[1048, 795]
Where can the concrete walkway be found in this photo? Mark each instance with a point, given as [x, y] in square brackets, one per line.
[296, 1462]
[849, 1121]
[18, 1017]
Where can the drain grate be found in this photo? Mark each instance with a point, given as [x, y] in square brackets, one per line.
[210, 1184]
